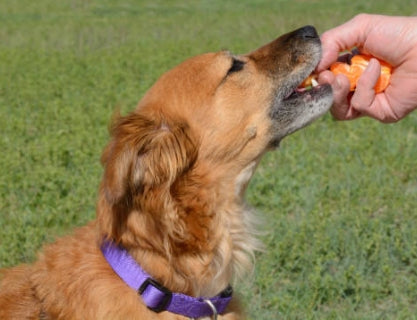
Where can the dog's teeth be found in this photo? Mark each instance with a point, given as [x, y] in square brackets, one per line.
[314, 82]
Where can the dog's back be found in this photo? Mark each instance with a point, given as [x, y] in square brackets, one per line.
[70, 280]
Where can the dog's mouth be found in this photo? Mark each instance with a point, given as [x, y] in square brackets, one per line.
[307, 89]
[299, 105]
[310, 91]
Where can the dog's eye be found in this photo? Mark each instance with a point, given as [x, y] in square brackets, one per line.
[237, 65]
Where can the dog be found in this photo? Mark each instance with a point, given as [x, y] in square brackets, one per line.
[172, 229]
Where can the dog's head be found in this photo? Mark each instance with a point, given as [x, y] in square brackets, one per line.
[193, 142]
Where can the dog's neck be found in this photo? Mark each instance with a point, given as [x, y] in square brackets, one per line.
[201, 239]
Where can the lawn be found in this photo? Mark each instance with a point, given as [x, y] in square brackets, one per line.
[338, 198]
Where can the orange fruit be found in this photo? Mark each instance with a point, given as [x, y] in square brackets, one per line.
[351, 73]
[308, 82]
[358, 65]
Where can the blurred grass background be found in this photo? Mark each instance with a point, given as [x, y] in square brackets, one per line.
[339, 198]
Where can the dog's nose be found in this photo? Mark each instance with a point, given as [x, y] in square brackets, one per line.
[307, 32]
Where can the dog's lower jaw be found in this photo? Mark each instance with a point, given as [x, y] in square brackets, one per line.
[298, 111]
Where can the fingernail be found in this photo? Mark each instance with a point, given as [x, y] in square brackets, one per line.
[372, 65]
[338, 83]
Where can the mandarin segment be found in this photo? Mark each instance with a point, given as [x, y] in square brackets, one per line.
[308, 82]
[344, 68]
[354, 70]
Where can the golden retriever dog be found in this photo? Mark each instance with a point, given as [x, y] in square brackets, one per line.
[172, 229]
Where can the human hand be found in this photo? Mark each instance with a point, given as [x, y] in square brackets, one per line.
[392, 39]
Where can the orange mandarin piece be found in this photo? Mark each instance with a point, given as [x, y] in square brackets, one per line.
[308, 82]
[358, 65]
[346, 69]
[360, 60]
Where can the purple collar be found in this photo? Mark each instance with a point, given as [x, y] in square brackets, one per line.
[157, 297]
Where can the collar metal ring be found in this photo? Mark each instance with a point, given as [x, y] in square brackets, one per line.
[212, 307]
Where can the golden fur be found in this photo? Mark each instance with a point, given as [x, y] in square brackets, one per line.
[175, 173]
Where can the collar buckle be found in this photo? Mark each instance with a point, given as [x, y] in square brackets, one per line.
[156, 297]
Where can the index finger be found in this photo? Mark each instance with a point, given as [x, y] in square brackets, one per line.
[344, 37]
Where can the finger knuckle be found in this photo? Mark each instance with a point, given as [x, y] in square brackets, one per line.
[361, 17]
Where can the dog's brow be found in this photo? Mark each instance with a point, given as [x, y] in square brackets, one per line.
[237, 65]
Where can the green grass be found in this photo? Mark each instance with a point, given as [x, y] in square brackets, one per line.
[338, 198]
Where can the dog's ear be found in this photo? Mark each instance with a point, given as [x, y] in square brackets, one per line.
[145, 153]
